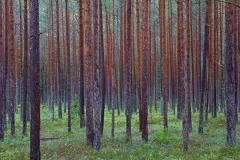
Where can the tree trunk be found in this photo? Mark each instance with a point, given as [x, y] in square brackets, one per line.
[81, 65]
[11, 69]
[139, 65]
[128, 72]
[181, 90]
[34, 72]
[231, 112]
[88, 71]
[59, 87]
[145, 47]
[203, 74]
[97, 101]
[68, 66]
[102, 67]
[112, 68]
[186, 105]
[1, 75]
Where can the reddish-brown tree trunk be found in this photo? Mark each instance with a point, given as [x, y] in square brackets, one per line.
[59, 87]
[139, 66]
[96, 82]
[128, 72]
[235, 58]
[11, 68]
[180, 50]
[5, 76]
[1, 74]
[145, 49]
[186, 104]
[88, 71]
[20, 56]
[81, 64]
[102, 68]
[68, 66]
[164, 60]
[112, 69]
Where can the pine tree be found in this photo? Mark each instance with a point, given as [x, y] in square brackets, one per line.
[25, 71]
[97, 101]
[1, 74]
[81, 65]
[11, 68]
[68, 66]
[203, 74]
[230, 102]
[58, 63]
[35, 84]
[88, 71]
[145, 49]
[128, 71]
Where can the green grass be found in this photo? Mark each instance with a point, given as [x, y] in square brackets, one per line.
[163, 144]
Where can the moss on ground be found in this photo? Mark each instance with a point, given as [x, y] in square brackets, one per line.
[163, 144]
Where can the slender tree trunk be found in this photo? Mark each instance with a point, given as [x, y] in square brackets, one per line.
[186, 105]
[235, 58]
[88, 71]
[128, 72]
[20, 60]
[68, 66]
[35, 84]
[65, 65]
[102, 68]
[164, 59]
[97, 101]
[81, 65]
[221, 58]
[139, 58]
[1, 74]
[231, 112]
[203, 74]
[59, 87]
[199, 77]
[181, 90]
[145, 36]
[215, 58]
[112, 68]
[11, 69]
[5, 77]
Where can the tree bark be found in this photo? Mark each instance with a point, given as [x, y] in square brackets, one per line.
[11, 69]
[59, 87]
[35, 85]
[102, 66]
[181, 90]
[97, 101]
[1, 74]
[68, 67]
[81, 65]
[128, 72]
[203, 74]
[139, 65]
[88, 71]
[145, 49]
[230, 101]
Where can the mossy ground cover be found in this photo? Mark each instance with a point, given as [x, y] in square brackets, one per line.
[162, 144]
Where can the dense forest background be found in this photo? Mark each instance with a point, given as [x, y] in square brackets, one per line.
[102, 73]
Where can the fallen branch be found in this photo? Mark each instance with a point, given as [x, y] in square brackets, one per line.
[48, 138]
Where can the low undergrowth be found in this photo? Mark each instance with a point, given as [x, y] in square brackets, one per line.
[162, 144]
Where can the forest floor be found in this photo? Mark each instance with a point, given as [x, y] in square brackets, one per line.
[162, 144]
